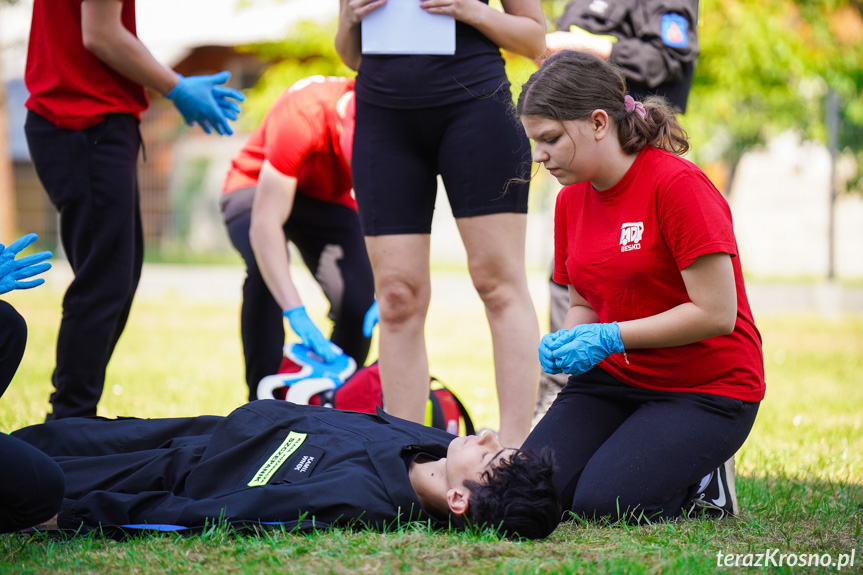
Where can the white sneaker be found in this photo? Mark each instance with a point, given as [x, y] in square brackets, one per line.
[717, 495]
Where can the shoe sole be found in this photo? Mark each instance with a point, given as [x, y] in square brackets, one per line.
[731, 483]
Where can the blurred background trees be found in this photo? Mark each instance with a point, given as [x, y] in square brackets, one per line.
[766, 66]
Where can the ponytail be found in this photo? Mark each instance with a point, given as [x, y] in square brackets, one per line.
[571, 85]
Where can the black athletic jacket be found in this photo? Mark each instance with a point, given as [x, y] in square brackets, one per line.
[657, 41]
[268, 461]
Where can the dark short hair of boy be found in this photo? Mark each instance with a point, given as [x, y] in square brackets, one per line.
[517, 498]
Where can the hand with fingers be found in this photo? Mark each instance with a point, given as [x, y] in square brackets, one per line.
[204, 101]
[310, 335]
[13, 272]
[579, 349]
[466, 11]
[353, 11]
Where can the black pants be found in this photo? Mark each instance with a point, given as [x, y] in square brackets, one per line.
[330, 241]
[31, 483]
[621, 451]
[91, 177]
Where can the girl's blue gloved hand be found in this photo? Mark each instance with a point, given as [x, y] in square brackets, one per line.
[12, 270]
[310, 335]
[579, 349]
[546, 356]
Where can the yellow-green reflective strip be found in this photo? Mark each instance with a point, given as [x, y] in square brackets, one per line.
[288, 446]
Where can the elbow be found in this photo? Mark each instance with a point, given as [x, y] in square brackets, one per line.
[96, 43]
[538, 47]
[724, 323]
[534, 43]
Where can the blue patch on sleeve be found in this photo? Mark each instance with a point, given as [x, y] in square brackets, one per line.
[674, 30]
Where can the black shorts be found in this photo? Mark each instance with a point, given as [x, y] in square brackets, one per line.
[477, 146]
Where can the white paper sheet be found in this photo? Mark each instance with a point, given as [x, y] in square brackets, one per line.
[402, 27]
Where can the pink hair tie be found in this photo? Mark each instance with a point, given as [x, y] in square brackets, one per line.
[630, 104]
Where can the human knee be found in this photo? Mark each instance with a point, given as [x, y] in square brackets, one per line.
[402, 299]
[42, 497]
[497, 291]
[51, 484]
[14, 328]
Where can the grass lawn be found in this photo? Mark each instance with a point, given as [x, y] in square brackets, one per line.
[800, 474]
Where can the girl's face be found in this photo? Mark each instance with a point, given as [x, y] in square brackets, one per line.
[568, 150]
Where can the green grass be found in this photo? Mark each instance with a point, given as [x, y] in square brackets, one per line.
[800, 474]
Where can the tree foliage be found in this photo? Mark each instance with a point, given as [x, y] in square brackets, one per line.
[765, 67]
[308, 50]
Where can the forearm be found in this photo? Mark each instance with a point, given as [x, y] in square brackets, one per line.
[272, 206]
[597, 45]
[515, 33]
[271, 253]
[579, 314]
[681, 325]
[348, 44]
[118, 48]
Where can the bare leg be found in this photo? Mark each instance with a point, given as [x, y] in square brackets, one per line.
[403, 286]
[495, 249]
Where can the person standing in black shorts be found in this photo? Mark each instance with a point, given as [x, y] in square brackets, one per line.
[420, 116]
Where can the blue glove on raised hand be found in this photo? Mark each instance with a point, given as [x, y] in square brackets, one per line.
[12, 270]
[578, 349]
[371, 319]
[309, 333]
[201, 100]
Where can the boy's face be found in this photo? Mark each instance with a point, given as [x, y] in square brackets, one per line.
[469, 457]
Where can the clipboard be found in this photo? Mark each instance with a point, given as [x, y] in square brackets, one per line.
[402, 27]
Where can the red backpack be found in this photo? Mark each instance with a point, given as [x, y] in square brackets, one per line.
[303, 379]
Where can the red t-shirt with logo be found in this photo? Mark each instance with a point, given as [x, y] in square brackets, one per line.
[68, 85]
[622, 250]
[299, 136]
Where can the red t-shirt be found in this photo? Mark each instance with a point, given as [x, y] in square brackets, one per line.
[622, 250]
[68, 85]
[299, 136]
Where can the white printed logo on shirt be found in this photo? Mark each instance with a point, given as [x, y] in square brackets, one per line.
[630, 236]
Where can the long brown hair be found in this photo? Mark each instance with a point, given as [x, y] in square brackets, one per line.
[571, 85]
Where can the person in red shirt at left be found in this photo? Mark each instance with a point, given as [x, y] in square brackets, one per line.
[292, 182]
[665, 361]
[86, 74]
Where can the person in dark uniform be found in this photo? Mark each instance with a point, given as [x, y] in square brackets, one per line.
[420, 116]
[298, 466]
[31, 483]
[655, 44]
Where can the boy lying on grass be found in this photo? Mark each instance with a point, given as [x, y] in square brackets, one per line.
[274, 462]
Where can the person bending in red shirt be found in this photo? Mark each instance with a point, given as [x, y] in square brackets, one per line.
[292, 182]
[665, 362]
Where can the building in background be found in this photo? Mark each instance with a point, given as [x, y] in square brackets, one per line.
[182, 169]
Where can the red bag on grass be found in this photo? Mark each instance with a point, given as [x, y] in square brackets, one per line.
[302, 379]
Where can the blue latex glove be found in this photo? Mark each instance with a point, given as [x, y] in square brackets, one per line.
[546, 356]
[371, 319]
[201, 100]
[309, 333]
[12, 270]
[578, 349]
